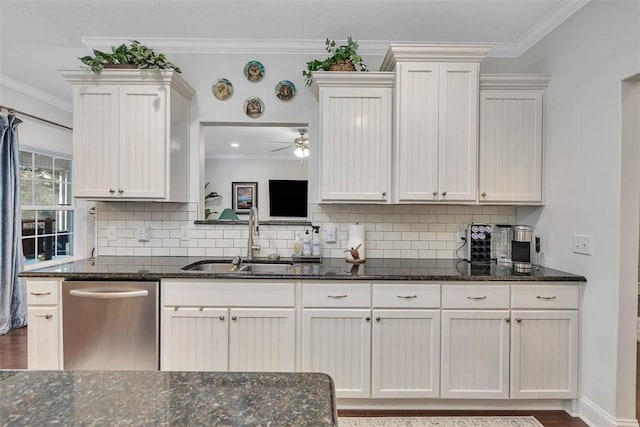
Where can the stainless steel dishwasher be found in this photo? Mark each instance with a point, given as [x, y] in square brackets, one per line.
[110, 325]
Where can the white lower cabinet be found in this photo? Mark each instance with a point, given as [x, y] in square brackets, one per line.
[220, 326]
[374, 340]
[44, 317]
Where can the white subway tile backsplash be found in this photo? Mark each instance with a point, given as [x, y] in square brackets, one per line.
[410, 231]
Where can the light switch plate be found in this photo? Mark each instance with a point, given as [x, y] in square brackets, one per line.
[582, 244]
[184, 233]
[143, 233]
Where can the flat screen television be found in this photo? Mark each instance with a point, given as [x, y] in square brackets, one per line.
[288, 198]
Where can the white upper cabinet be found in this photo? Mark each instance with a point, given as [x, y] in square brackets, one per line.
[354, 136]
[511, 138]
[436, 121]
[131, 135]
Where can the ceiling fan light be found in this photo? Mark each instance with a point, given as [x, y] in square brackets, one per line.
[301, 152]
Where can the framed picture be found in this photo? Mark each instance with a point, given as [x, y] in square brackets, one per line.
[244, 196]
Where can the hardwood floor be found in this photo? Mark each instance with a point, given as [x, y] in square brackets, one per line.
[13, 349]
[13, 355]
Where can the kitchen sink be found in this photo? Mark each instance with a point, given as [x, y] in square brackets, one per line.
[255, 267]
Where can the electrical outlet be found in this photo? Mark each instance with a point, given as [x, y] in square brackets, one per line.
[111, 232]
[582, 244]
[184, 233]
[331, 234]
[143, 233]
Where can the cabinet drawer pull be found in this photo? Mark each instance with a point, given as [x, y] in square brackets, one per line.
[407, 296]
[337, 296]
[476, 298]
[39, 294]
[368, 319]
[518, 320]
[48, 316]
[507, 319]
[546, 298]
[234, 317]
[221, 317]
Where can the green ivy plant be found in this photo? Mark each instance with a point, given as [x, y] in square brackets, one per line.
[143, 57]
[346, 53]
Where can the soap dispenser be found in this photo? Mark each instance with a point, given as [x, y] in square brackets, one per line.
[297, 246]
[306, 244]
[316, 248]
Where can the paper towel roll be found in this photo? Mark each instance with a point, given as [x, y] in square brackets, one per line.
[356, 238]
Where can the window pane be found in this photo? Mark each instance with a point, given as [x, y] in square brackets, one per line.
[62, 193]
[64, 245]
[46, 247]
[29, 249]
[46, 222]
[26, 165]
[28, 223]
[44, 167]
[62, 170]
[64, 221]
[26, 192]
[43, 192]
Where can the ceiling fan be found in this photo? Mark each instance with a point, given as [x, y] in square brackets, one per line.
[300, 145]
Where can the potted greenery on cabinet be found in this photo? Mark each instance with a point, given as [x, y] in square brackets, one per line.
[343, 58]
[135, 55]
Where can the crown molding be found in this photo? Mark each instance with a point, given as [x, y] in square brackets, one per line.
[420, 52]
[349, 79]
[550, 22]
[514, 81]
[32, 92]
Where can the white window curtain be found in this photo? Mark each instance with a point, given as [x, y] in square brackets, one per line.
[13, 296]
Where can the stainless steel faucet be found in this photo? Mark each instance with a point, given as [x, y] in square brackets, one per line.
[253, 230]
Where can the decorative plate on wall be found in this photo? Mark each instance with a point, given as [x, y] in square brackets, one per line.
[222, 89]
[253, 107]
[285, 90]
[254, 71]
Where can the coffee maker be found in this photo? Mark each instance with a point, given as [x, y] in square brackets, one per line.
[521, 248]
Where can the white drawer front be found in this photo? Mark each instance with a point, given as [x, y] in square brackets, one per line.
[336, 295]
[545, 296]
[240, 293]
[43, 292]
[475, 296]
[406, 296]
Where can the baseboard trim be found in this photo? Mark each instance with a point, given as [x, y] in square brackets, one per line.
[593, 415]
[452, 404]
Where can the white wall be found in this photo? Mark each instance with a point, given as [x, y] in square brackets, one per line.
[588, 57]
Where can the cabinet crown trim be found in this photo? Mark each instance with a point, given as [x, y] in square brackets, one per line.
[433, 53]
[514, 81]
[351, 79]
[130, 77]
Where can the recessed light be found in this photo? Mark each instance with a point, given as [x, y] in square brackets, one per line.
[235, 145]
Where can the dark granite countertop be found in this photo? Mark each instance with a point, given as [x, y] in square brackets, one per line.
[156, 268]
[146, 398]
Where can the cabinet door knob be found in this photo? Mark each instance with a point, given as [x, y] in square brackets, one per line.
[48, 316]
[518, 320]
[378, 319]
[234, 317]
[111, 190]
[507, 319]
[484, 194]
[221, 317]
[444, 193]
[435, 193]
[368, 319]
[120, 190]
[384, 194]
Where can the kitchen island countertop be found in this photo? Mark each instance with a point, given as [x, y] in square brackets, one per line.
[106, 398]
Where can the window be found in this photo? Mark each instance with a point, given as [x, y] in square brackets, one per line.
[47, 212]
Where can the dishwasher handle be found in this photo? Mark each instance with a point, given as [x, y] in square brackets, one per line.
[86, 293]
